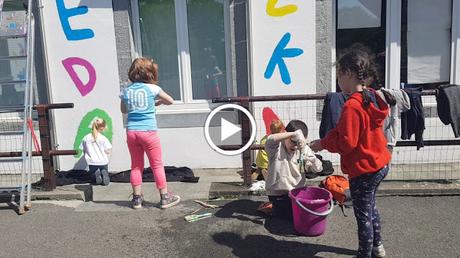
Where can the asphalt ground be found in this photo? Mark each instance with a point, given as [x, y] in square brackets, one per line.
[412, 227]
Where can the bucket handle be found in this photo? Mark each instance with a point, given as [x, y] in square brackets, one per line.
[325, 213]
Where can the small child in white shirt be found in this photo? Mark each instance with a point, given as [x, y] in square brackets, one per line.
[289, 159]
[97, 149]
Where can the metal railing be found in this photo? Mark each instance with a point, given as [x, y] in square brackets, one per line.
[46, 151]
[246, 128]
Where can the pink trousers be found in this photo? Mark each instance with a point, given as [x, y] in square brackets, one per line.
[148, 142]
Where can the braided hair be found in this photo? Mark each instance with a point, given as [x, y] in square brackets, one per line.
[358, 59]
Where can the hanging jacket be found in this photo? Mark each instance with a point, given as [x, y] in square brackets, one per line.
[402, 105]
[332, 108]
[359, 138]
[333, 104]
[448, 105]
[413, 120]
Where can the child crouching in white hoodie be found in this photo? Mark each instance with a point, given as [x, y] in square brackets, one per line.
[289, 159]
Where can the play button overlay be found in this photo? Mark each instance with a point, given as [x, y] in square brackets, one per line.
[222, 128]
[227, 129]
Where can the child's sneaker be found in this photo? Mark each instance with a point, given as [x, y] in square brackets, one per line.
[137, 201]
[105, 177]
[98, 177]
[169, 200]
[266, 208]
[378, 251]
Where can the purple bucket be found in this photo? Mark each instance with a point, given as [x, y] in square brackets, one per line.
[310, 207]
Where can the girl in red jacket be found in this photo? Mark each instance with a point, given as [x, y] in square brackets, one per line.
[359, 139]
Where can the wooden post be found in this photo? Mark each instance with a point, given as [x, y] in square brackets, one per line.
[45, 141]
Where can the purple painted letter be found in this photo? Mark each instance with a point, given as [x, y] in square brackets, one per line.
[82, 88]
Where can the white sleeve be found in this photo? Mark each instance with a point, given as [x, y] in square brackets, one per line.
[155, 89]
[316, 164]
[107, 144]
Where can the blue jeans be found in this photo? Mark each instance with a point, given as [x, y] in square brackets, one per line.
[93, 169]
[363, 189]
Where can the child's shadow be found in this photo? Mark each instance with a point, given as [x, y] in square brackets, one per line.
[246, 210]
[243, 209]
[279, 227]
[267, 246]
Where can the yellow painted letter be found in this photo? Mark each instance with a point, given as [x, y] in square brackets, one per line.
[280, 11]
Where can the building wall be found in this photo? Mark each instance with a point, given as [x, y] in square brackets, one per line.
[324, 44]
[186, 129]
[82, 68]
[182, 132]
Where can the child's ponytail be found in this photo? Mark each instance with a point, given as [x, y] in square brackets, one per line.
[362, 76]
[366, 97]
[97, 124]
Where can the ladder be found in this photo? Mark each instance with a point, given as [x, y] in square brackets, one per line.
[13, 26]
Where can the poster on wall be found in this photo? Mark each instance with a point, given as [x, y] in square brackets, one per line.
[82, 66]
[13, 23]
[282, 47]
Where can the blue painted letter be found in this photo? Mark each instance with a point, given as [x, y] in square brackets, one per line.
[278, 56]
[65, 14]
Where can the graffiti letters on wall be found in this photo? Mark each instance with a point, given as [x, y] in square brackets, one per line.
[80, 44]
[282, 43]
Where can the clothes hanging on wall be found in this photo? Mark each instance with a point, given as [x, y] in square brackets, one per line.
[448, 106]
[413, 120]
[402, 105]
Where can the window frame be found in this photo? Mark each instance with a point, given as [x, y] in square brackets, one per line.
[187, 104]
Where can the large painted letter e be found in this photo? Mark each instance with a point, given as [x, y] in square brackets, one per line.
[65, 14]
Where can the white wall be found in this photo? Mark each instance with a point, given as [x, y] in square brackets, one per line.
[188, 147]
[83, 69]
[269, 25]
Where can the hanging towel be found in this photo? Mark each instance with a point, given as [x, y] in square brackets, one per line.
[413, 120]
[448, 99]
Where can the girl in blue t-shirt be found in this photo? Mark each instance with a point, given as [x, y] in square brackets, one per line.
[138, 100]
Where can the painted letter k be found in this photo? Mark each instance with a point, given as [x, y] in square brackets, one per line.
[277, 58]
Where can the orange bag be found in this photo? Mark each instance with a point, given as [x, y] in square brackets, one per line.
[340, 190]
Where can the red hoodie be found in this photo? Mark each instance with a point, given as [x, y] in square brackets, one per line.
[358, 137]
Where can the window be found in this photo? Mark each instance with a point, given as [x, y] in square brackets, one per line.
[362, 22]
[188, 39]
[158, 32]
[12, 54]
[426, 42]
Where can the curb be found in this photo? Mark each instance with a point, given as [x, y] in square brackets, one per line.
[76, 192]
[237, 189]
[388, 188]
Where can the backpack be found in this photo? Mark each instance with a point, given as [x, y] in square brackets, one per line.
[340, 190]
